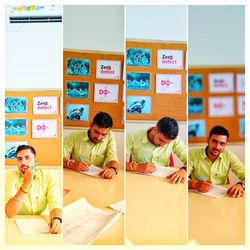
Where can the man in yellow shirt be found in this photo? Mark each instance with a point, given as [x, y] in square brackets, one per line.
[211, 165]
[96, 146]
[145, 149]
[29, 190]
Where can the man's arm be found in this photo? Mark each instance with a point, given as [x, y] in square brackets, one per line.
[75, 165]
[180, 151]
[111, 162]
[55, 224]
[14, 204]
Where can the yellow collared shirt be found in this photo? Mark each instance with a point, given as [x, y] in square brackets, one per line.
[217, 171]
[43, 196]
[99, 154]
[141, 148]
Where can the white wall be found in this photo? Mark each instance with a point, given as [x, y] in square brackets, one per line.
[216, 35]
[97, 27]
[164, 22]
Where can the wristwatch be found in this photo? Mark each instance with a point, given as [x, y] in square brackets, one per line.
[57, 218]
[242, 184]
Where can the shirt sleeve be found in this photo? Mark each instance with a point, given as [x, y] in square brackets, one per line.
[53, 192]
[237, 166]
[180, 150]
[11, 187]
[68, 145]
[190, 163]
[129, 146]
[111, 154]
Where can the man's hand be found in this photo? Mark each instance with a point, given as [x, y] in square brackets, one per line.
[146, 168]
[178, 177]
[79, 166]
[28, 177]
[55, 226]
[236, 191]
[201, 186]
[108, 173]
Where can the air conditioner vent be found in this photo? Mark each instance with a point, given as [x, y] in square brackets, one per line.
[35, 19]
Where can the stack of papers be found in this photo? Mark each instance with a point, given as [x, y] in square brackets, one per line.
[83, 222]
[32, 226]
[216, 191]
[93, 171]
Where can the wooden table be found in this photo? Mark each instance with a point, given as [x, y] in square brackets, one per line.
[99, 193]
[14, 237]
[216, 221]
[156, 210]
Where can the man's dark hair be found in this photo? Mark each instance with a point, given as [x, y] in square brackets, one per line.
[168, 127]
[24, 147]
[219, 130]
[103, 120]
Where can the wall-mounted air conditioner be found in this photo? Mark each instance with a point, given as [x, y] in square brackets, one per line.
[34, 46]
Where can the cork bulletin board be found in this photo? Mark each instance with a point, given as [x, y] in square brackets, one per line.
[216, 97]
[93, 82]
[155, 80]
[34, 117]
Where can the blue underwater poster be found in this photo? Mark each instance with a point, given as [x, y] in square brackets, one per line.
[15, 105]
[138, 57]
[77, 112]
[78, 67]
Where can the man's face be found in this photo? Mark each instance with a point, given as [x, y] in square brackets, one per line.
[160, 140]
[97, 134]
[216, 144]
[25, 159]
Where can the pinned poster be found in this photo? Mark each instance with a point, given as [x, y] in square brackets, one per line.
[196, 128]
[242, 127]
[241, 105]
[106, 93]
[108, 69]
[11, 147]
[195, 83]
[168, 84]
[169, 59]
[138, 81]
[138, 57]
[78, 67]
[139, 104]
[45, 105]
[78, 112]
[221, 106]
[195, 105]
[16, 127]
[15, 104]
[44, 128]
[221, 83]
[240, 83]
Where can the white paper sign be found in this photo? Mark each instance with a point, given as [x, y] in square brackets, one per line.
[240, 83]
[108, 69]
[221, 106]
[221, 83]
[45, 105]
[106, 93]
[168, 84]
[169, 59]
[241, 105]
[44, 128]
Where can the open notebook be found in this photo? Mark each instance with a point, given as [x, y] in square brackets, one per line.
[83, 222]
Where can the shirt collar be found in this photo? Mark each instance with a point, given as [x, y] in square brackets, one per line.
[204, 154]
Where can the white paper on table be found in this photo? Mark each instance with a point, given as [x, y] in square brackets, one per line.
[83, 222]
[216, 192]
[119, 206]
[93, 171]
[161, 171]
[32, 226]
